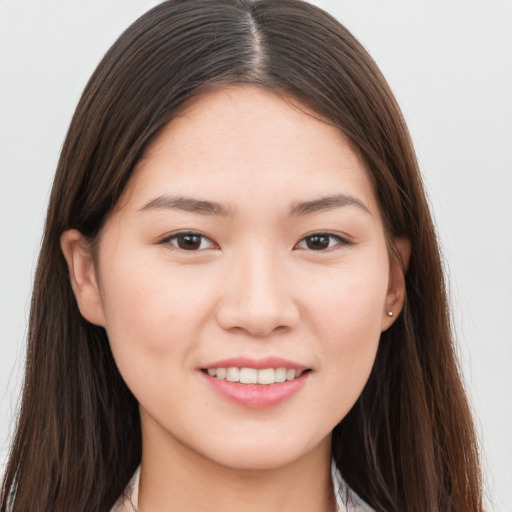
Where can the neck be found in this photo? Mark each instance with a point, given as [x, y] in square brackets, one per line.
[175, 478]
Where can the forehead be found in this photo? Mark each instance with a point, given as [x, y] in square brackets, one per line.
[251, 116]
[241, 139]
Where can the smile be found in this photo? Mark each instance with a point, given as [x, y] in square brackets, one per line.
[256, 388]
[265, 376]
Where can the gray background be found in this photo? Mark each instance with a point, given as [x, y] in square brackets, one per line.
[450, 65]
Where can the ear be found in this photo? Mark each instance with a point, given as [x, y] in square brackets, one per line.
[82, 274]
[396, 287]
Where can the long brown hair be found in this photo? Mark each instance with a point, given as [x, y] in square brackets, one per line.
[408, 443]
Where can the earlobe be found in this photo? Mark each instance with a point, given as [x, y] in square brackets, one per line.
[82, 275]
[396, 287]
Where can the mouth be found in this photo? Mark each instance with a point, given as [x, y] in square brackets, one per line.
[256, 384]
[263, 376]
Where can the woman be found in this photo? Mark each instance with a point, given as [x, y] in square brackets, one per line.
[239, 283]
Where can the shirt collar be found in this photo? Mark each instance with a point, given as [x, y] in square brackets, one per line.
[346, 499]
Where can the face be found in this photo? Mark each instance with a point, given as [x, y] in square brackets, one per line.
[247, 249]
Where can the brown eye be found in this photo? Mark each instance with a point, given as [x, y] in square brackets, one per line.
[189, 241]
[321, 242]
[317, 242]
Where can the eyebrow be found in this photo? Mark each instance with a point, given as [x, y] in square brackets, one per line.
[188, 204]
[328, 203]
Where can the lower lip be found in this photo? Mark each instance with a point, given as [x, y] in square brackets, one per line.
[257, 396]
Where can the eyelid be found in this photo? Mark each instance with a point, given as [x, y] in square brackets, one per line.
[342, 241]
[167, 239]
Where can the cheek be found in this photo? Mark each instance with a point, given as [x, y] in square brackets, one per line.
[151, 315]
[346, 313]
[350, 300]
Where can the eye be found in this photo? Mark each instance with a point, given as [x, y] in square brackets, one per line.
[190, 241]
[321, 242]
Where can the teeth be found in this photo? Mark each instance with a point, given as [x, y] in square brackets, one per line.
[248, 375]
[290, 374]
[233, 375]
[280, 374]
[253, 376]
[266, 376]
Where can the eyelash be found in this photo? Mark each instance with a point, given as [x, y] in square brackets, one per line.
[333, 241]
[181, 236]
[338, 241]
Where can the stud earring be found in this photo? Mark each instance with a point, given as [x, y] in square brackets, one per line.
[390, 313]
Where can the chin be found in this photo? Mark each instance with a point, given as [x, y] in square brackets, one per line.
[256, 456]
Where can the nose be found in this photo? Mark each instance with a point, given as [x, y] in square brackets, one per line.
[257, 297]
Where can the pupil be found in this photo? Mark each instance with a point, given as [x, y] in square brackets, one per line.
[189, 242]
[318, 242]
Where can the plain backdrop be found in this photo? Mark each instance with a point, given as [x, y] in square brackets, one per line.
[449, 63]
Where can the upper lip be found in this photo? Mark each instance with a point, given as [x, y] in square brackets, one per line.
[258, 364]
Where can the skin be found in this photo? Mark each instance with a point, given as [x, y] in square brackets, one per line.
[254, 286]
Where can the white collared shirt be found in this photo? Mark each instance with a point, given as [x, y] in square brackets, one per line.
[346, 499]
